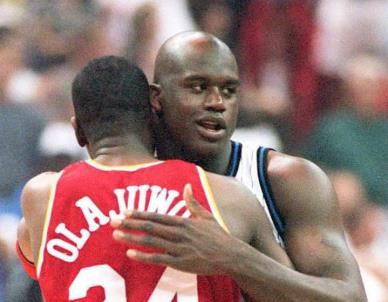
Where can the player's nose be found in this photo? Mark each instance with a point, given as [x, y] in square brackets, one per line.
[214, 100]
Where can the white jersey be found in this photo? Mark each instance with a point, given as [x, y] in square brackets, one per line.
[248, 165]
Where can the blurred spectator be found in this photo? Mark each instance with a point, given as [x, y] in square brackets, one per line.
[141, 49]
[215, 17]
[349, 27]
[221, 18]
[346, 28]
[355, 137]
[365, 77]
[171, 17]
[366, 225]
[60, 37]
[276, 51]
[54, 27]
[20, 127]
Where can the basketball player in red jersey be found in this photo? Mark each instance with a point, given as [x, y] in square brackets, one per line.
[66, 239]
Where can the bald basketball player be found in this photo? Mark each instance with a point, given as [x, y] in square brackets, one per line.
[195, 104]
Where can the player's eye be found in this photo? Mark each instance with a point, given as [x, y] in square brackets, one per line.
[199, 87]
[229, 91]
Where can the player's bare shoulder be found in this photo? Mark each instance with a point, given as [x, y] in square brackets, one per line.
[36, 193]
[299, 186]
[284, 167]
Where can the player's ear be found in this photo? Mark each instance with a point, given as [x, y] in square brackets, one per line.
[79, 133]
[156, 97]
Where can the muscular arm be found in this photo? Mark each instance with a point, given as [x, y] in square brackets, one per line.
[325, 269]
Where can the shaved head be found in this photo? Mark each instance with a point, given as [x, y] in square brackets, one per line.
[194, 98]
[189, 49]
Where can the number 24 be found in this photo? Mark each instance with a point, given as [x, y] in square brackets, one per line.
[184, 287]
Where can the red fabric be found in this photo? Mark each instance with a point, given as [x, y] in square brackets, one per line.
[100, 263]
[28, 266]
[294, 22]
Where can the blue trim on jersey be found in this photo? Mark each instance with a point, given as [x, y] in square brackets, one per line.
[235, 157]
[267, 192]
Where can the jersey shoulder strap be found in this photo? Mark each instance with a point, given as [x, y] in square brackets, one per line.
[262, 153]
[235, 158]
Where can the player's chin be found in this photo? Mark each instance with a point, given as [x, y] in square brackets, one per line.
[210, 148]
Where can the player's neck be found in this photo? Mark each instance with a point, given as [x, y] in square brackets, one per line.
[121, 151]
[218, 163]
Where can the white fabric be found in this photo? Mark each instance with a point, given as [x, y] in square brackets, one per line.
[247, 174]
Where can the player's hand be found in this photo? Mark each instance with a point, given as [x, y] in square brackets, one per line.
[197, 244]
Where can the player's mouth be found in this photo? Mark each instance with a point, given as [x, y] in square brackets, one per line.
[212, 129]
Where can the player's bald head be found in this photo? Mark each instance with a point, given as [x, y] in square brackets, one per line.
[189, 50]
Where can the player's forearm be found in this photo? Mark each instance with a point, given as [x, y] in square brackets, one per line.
[263, 279]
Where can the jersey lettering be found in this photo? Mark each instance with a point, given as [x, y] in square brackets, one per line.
[92, 213]
[62, 250]
[79, 241]
[160, 200]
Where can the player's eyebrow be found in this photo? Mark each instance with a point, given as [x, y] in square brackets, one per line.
[233, 82]
[202, 78]
[193, 78]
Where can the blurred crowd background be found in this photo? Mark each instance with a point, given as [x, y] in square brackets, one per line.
[314, 84]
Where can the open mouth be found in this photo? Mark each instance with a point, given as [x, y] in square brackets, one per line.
[210, 126]
[212, 129]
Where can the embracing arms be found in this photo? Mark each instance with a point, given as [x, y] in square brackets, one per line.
[324, 270]
[200, 245]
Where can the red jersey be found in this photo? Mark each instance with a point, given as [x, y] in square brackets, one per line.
[80, 261]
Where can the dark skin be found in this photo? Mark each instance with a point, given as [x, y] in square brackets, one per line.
[196, 76]
[208, 130]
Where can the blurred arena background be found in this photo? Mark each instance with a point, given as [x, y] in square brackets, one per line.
[315, 84]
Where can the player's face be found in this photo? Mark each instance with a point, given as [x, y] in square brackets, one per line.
[200, 105]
